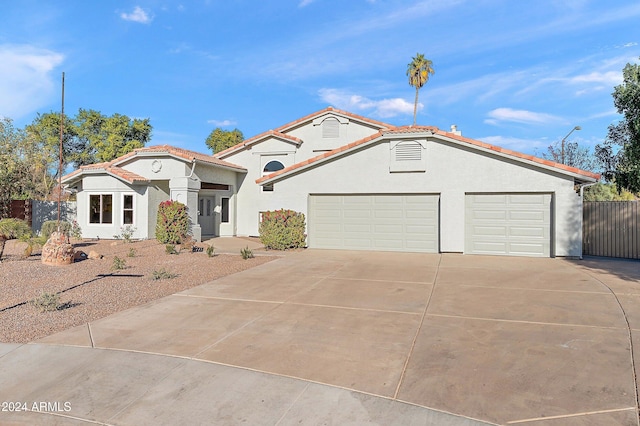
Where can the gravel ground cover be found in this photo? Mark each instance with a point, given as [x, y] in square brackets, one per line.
[90, 289]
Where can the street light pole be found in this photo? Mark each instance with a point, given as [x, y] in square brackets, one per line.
[562, 143]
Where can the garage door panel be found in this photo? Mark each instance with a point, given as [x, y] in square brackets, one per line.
[531, 231]
[508, 224]
[537, 216]
[375, 222]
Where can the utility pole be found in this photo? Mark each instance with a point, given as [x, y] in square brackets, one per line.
[60, 154]
[562, 143]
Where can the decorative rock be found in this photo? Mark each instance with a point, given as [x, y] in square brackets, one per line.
[57, 250]
[95, 255]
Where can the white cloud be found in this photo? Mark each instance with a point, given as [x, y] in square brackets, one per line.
[138, 15]
[630, 44]
[499, 115]
[222, 123]
[610, 78]
[304, 3]
[382, 108]
[26, 83]
[515, 144]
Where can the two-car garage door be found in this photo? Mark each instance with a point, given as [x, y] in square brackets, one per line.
[374, 222]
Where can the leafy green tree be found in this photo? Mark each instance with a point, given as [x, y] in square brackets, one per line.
[620, 152]
[25, 166]
[219, 140]
[90, 136]
[418, 71]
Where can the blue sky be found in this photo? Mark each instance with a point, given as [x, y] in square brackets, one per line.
[515, 73]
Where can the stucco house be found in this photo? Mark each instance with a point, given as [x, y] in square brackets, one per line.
[362, 184]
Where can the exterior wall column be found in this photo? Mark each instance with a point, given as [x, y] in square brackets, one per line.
[185, 190]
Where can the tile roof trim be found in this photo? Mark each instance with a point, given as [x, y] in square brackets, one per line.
[257, 139]
[429, 131]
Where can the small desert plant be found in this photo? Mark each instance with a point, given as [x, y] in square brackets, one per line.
[246, 253]
[118, 263]
[162, 274]
[170, 249]
[126, 233]
[211, 251]
[132, 252]
[173, 223]
[75, 231]
[46, 302]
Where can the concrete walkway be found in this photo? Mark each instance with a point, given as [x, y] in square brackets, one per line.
[340, 337]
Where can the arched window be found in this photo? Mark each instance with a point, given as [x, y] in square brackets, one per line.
[273, 166]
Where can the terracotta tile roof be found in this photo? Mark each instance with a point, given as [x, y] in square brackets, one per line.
[280, 130]
[257, 138]
[180, 153]
[361, 118]
[113, 167]
[433, 130]
[517, 154]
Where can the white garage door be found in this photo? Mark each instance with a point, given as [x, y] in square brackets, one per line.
[374, 222]
[508, 224]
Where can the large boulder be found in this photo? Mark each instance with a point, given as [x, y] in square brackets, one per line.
[57, 250]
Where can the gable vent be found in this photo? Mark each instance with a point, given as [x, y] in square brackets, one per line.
[330, 128]
[408, 151]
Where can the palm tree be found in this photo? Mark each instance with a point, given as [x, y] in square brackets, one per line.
[418, 71]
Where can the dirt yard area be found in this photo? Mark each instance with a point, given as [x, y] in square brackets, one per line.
[91, 289]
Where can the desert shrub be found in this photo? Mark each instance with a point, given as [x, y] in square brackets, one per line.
[46, 302]
[211, 250]
[118, 263]
[50, 226]
[171, 249]
[173, 223]
[75, 231]
[282, 229]
[132, 252]
[162, 274]
[11, 229]
[246, 253]
[126, 233]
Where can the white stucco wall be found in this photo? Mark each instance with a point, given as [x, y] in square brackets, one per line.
[451, 171]
[104, 184]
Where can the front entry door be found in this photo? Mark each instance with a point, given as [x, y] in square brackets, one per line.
[206, 215]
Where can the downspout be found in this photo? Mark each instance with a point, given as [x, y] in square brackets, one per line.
[193, 168]
[582, 187]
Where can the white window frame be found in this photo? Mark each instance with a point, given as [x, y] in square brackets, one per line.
[133, 208]
[113, 207]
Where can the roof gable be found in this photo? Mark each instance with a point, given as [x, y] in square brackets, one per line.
[115, 167]
[281, 132]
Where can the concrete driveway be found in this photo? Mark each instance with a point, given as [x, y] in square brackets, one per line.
[342, 337]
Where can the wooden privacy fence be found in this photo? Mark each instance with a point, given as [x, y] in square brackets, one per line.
[611, 229]
[21, 209]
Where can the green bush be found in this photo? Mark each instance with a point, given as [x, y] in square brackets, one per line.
[118, 263]
[51, 226]
[173, 223]
[11, 229]
[282, 230]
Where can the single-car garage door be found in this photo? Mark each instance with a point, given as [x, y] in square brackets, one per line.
[374, 222]
[508, 224]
